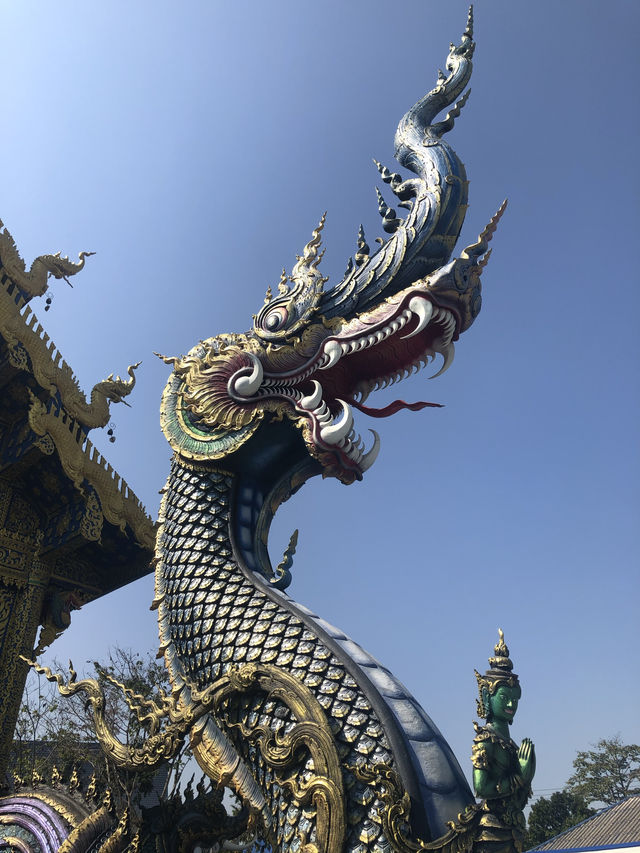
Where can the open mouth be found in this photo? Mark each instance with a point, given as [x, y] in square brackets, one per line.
[371, 352]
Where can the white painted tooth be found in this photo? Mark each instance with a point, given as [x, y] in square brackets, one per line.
[423, 309]
[333, 352]
[370, 457]
[395, 325]
[246, 386]
[379, 336]
[313, 400]
[448, 355]
[372, 339]
[341, 428]
[345, 347]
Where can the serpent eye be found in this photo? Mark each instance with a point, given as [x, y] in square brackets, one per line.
[275, 319]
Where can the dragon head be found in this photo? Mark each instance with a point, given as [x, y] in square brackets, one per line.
[315, 354]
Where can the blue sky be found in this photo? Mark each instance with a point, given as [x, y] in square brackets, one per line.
[194, 147]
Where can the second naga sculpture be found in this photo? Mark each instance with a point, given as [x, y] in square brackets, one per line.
[311, 732]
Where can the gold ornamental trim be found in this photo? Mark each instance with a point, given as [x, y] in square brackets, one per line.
[396, 812]
[81, 461]
[35, 280]
[178, 715]
[324, 790]
[25, 336]
[72, 819]
[86, 832]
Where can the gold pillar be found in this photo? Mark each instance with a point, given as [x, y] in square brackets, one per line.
[23, 584]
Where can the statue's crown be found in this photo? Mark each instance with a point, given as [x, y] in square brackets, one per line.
[500, 661]
[500, 672]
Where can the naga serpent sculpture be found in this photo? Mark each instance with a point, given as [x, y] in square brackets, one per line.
[314, 735]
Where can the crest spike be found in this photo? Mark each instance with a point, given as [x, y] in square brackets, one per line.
[469, 28]
[362, 255]
[315, 264]
[282, 284]
[383, 207]
[390, 222]
[310, 251]
[447, 123]
[389, 177]
[476, 250]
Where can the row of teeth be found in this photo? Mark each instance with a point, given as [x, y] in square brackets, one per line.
[333, 350]
[339, 433]
[419, 306]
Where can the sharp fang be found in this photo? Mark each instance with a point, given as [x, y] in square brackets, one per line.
[247, 386]
[448, 355]
[423, 309]
[341, 428]
[313, 400]
[333, 352]
[370, 457]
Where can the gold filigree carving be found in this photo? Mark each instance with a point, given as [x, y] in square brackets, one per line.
[56, 804]
[185, 712]
[311, 731]
[17, 551]
[6, 602]
[86, 832]
[117, 841]
[81, 461]
[45, 445]
[395, 815]
[91, 526]
[30, 345]
[18, 356]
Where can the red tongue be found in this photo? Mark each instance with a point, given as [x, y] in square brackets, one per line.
[392, 408]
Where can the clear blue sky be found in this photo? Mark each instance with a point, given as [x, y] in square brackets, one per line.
[194, 146]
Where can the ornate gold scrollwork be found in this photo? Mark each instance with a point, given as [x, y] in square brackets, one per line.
[397, 809]
[170, 721]
[80, 461]
[311, 732]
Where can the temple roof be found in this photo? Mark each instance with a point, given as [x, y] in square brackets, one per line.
[93, 531]
[615, 825]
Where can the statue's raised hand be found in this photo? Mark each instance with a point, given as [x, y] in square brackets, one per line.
[527, 759]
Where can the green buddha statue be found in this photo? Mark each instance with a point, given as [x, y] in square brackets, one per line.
[502, 771]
